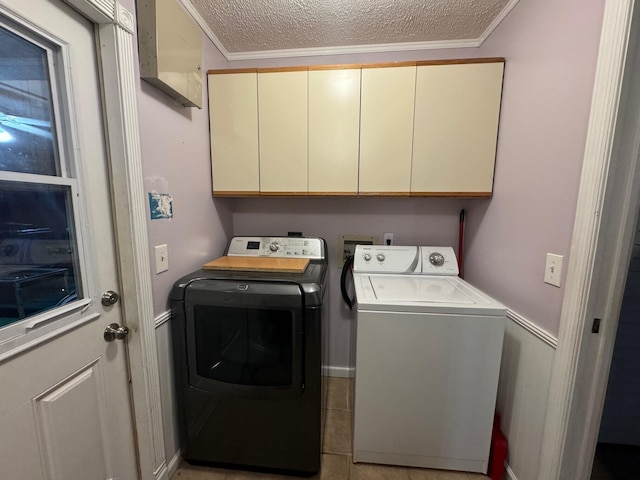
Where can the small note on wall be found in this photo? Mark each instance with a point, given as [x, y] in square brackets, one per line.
[161, 205]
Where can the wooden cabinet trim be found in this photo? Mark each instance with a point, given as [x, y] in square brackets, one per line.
[350, 66]
[384, 194]
[283, 194]
[452, 61]
[239, 194]
[452, 194]
[233, 70]
[460, 61]
[282, 69]
[389, 64]
[223, 193]
[333, 194]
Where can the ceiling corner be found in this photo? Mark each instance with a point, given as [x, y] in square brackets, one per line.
[191, 10]
[493, 25]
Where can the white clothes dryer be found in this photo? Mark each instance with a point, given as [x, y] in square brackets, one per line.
[428, 350]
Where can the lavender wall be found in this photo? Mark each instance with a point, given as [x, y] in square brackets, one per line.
[551, 50]
[413, 221]
[174, 142]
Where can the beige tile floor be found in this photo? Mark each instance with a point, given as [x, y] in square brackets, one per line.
[336, 456]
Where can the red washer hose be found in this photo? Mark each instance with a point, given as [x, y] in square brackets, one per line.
[461, 245]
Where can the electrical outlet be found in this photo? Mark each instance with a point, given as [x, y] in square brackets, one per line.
[388, 238]
[162, 258]
[553, 269]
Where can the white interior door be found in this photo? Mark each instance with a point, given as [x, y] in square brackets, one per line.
[65, 410]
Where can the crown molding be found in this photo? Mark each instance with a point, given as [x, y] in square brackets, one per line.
[497, 21]
[353, 49]
[191, 10]
[345, 50]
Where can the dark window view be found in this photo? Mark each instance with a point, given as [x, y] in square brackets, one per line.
[38, 266]
[244, 346]
[26, 134]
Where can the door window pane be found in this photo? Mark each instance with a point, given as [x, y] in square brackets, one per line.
[27, 140]
[39, 267]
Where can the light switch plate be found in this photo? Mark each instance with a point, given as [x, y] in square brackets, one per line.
[162, 258]
[553, 269]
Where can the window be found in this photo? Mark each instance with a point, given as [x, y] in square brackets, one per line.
[40, 261]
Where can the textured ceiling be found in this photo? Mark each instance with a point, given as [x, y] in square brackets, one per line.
[267, 25]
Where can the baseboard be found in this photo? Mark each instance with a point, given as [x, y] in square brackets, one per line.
[510, 474]
[174, 463]
[342, 372]
[162, 473]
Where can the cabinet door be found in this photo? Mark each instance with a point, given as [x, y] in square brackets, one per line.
[334, 127]
[456, 128]
[386, 130]
[233, 114]
[282, 113]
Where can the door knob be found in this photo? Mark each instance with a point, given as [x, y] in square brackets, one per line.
[109, 298]
[115, 331]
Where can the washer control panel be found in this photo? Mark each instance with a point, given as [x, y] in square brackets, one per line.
[278, 247]
[386, 259]
[439, 261]
[405, 260]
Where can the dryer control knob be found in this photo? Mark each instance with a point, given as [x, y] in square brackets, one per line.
[381, 257]
[436, 259]
[273, 246]
[367, 256]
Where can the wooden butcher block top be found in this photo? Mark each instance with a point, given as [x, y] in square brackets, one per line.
[259, 264]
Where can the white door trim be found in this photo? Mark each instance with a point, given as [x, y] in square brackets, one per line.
[603, 230]
[115, 27]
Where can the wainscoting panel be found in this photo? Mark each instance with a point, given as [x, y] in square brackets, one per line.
[167, 395]
[527, 360]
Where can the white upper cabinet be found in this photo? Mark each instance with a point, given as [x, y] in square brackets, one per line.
[233, 116]
[334, 128]
[386, 130]
[427, 129]
[282, 113]
[456, 128]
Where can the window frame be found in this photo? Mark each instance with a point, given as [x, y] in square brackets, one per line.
[33, 330]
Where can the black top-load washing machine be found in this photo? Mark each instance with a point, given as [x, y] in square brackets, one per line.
[248, 352]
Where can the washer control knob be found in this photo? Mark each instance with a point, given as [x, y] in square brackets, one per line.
[380, 257]
[273, 246]
[436, 259]
[367, 256]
